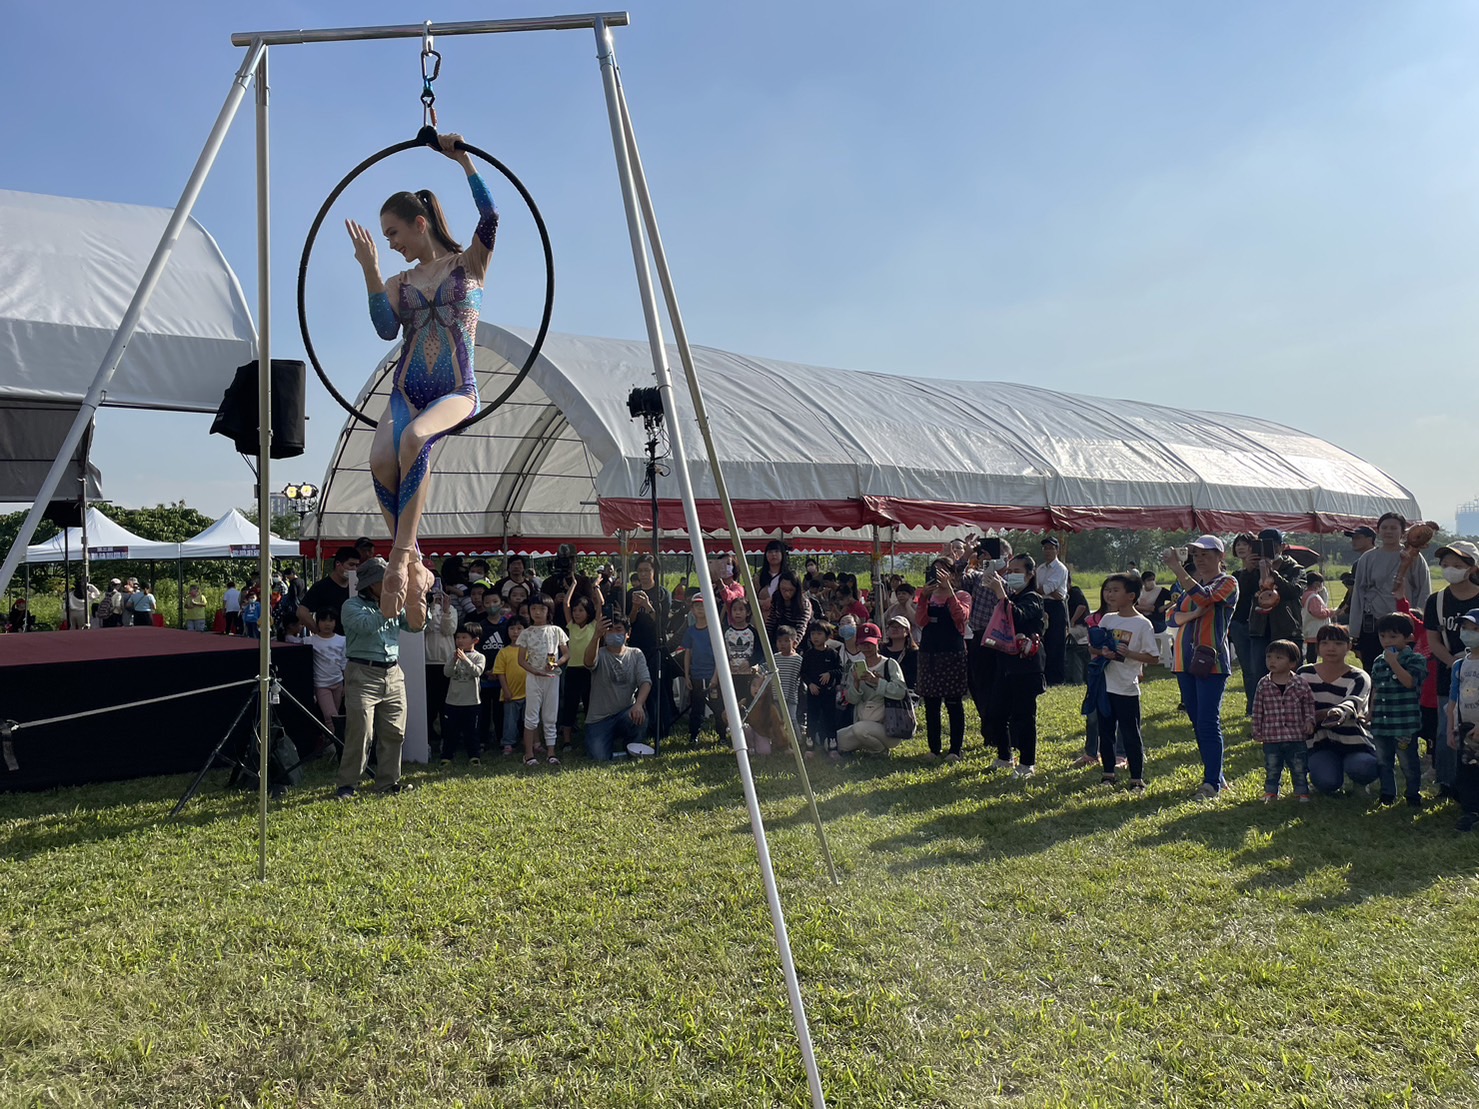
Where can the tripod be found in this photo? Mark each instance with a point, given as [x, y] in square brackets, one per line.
[244, 763]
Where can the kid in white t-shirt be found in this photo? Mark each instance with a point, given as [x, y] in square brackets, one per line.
[543, 649]
[1134, 639]
[328, 667]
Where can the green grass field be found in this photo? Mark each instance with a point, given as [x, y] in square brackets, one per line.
[597, 936]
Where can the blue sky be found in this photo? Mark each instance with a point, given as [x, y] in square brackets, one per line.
[1261, 208]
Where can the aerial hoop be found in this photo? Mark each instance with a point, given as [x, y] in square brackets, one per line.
[427, 136]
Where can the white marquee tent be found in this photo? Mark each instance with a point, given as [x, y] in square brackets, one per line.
[563, 460]
[233, 536]
[68, 272]
[106, 541]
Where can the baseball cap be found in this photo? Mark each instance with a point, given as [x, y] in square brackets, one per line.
[1472, 616]
[1050, 542]
[1273, 534]
[869, 633]
[1461, 547]
[1369, 533]
[1209, 543]
[901, 621]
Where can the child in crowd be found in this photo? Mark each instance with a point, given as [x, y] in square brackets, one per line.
[543, 649]
[460, 710]
[1463, 720]
[1315, 612]
[1134, 646]
[575, 692]
[821, 671]
[899, 645]
[251, 615]
[510, 676]
[699, 669]
[328, 666]
[788, 671]
[1341, 747]
[1397, 676]
[1284, 720]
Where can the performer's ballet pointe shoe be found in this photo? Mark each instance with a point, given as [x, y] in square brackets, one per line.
[393, 591]
[421, 581]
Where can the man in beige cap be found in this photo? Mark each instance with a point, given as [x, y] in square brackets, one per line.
[374, 687]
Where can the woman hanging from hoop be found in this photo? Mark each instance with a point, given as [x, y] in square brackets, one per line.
[434, 307]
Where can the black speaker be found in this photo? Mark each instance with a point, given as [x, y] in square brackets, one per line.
[236, 419]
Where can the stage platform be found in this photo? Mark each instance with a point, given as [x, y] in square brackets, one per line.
[44, 674]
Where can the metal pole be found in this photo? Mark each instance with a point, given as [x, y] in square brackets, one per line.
[86, 563]
[417, 30]
[606, 54]
[685, 353]
[264, 460]
[662, 617]
[131, 317]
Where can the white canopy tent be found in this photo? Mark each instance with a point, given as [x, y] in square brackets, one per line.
[68, 272]
[234, 536]
[564, 460]
[106, 541]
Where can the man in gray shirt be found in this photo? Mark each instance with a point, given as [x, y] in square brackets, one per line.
[1376, 574]
[620, 685]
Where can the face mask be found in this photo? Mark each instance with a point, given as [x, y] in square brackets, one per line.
[1016, 582]
[1470, 639]
[847, 631]
[1455, 574]
[616, 641]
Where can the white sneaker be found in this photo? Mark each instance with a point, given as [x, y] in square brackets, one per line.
[1002, 764]
[1026, 770]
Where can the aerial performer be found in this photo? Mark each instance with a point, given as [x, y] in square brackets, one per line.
[433, 307]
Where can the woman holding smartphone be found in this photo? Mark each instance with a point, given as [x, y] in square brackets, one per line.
[943, 616]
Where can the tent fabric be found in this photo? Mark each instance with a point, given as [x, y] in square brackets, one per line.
[233, 536]
[106, 541]
[912, 456]
[68, 272]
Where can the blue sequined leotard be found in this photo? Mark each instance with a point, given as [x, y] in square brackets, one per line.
[438, 323]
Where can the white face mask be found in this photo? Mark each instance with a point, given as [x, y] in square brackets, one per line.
[1470, 639]
[1016, 582]
[1455, 574]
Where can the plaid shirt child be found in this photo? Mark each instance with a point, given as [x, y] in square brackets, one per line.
[1283, 713]
[1396, 712]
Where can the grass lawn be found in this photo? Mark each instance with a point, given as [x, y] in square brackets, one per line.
[598, 937]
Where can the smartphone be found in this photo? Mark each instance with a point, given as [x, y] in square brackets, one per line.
[859, 668]
[1269, 549]
[989, 546]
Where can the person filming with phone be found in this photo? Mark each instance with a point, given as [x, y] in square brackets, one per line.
[1275, 612]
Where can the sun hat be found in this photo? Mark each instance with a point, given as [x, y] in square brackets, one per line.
[371, 570]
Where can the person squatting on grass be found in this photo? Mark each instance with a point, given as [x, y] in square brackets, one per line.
[374, 687]
[1341, 746]
[461, 710]
[1463, 721]
[1284, 720]
[1134, 639]
[867, 684]
[1201, 659]
[543, 649]
[1397, 677]
[620, 687]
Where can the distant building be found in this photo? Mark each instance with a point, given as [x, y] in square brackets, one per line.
[278, 505]
[1468, 518]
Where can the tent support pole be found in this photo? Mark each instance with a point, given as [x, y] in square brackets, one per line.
[86, 564]
[264, 454]
[685, 353]
[130, 319]
[630, 175]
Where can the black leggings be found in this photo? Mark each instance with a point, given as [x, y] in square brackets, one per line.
[1012, 715]
[956, 708]
[1127, 719]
